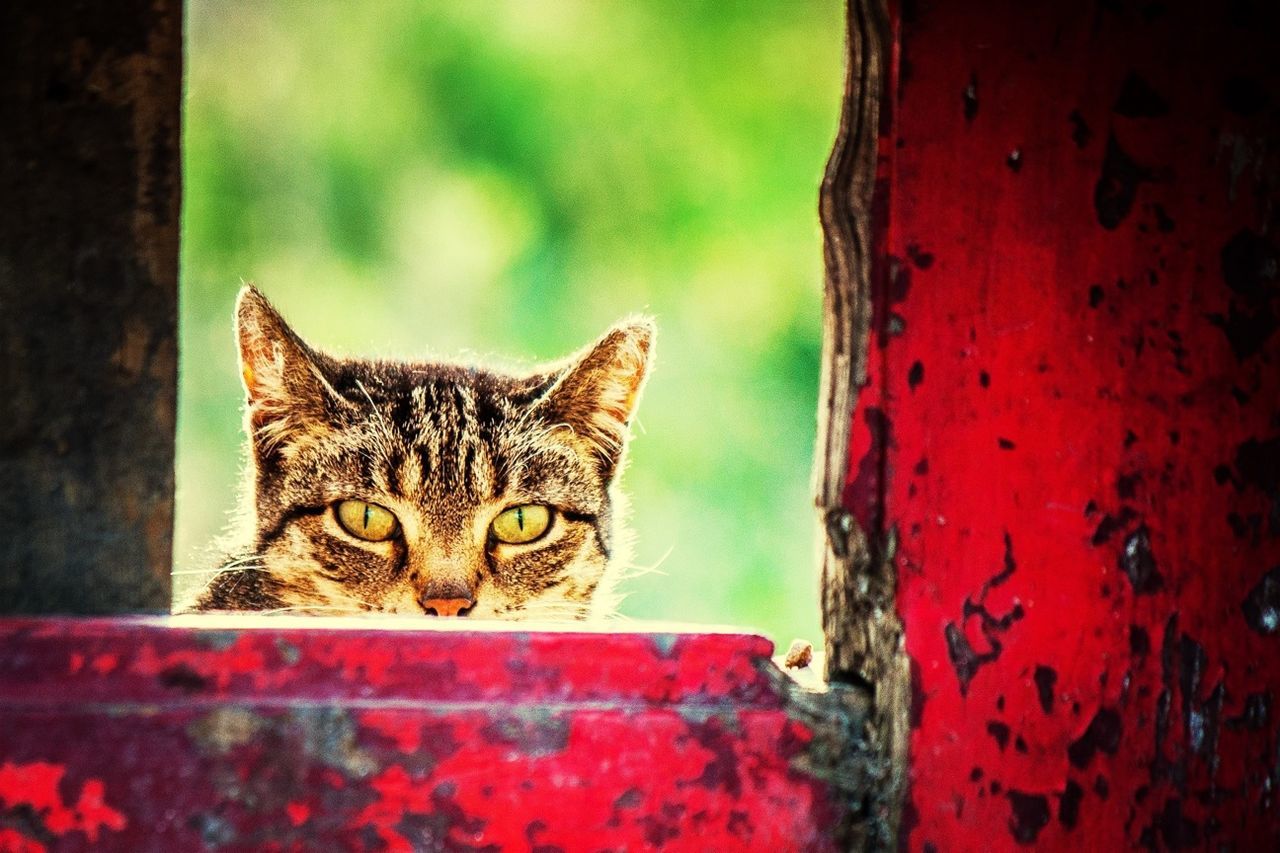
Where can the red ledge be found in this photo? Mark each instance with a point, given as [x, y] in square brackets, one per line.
[158, 660]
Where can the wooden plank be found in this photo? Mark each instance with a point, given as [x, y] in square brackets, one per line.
[89, 177]
[310, 733]
[1074, 380]
[862, 633]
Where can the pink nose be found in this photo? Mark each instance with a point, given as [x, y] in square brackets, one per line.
[448, 606]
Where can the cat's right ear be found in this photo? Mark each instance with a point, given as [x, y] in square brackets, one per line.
[596, 395]
[285, 388]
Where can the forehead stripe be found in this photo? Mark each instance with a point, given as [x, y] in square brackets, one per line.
[266, 537]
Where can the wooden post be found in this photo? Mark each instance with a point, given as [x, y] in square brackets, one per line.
[89, 195]
[1071, 422]
[860, 624]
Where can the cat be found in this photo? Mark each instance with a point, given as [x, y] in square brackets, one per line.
[429, 488]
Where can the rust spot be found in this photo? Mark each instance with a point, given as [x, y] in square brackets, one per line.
[964, 660]
[722, 770]
[1103, 733]
[182, 677]
[922, 259]
[1069, 804]
[1257, 710]
[1117, 186]
[1080, 132]
[1139, 641]
[1110, 525]
[214, 831]
[1030, 815]
[971, 98]
[1138, 100]
[1244, 96]
[915, 375]
[1046, 678]
[538, 735]
[1176, 830]
[1262, 606]
[329, 736]
[223, 729]
[1127, 485]
[1139, 564]
[629, 799]
[1250, 267]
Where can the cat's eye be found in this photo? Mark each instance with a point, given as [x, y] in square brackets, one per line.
[521, 524]
[364, 520]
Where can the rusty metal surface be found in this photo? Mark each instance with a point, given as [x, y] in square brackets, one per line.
[139, 735]
[1071, 437]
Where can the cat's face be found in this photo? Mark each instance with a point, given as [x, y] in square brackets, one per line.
[428, 488]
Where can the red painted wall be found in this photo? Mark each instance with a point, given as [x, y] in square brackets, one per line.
[1073, 426]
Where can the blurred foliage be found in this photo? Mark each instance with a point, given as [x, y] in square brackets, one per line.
[403, 178]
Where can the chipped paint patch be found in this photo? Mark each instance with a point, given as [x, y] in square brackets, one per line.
[37, 787]
[224, 729]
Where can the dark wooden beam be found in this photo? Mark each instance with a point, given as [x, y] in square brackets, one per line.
[90, 99]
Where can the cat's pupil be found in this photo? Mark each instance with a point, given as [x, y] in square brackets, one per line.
[366, 517]
[520, 517]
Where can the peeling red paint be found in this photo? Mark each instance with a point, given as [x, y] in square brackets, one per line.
[298, 813]
[105, 663]
[404, 730]
[13, 841]
[38, 786]
[243, 660]
[294, 736]
[689, 793]
[1083, 473]
[373, 663]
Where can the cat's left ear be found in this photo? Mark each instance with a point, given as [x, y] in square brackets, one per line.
[596, 395]
[285, 386]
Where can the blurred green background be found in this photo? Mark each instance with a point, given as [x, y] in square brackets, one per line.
[404, 178]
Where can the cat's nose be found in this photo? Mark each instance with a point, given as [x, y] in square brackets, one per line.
[448, 606]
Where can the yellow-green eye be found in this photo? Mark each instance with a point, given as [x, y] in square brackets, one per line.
[521, 524]
[364, 520]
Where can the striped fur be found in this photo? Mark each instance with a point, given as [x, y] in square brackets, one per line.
[445, 447]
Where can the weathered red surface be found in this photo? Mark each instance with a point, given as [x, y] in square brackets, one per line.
[1073, 425]
[137, 735]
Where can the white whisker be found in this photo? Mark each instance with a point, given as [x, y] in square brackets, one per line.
[313, 608]
[632, 571]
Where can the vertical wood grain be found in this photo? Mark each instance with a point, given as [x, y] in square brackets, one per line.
[90, 100]
[860, 625]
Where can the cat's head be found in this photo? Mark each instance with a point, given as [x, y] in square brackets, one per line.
[427, 487]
